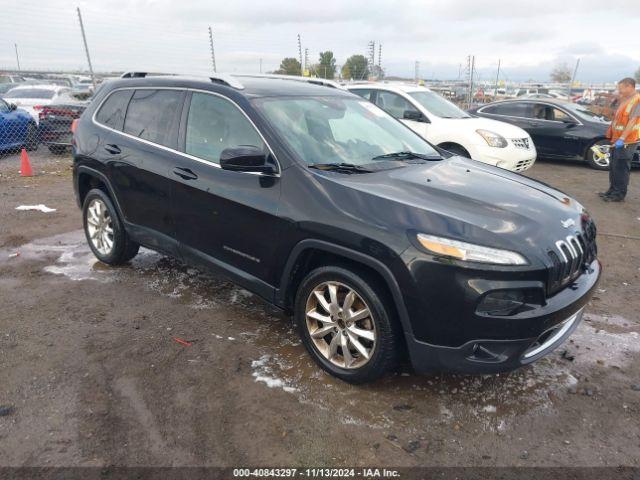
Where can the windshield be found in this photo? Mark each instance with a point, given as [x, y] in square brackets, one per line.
[30, 93]
[585, 113]
[324, 130]
[438, 106]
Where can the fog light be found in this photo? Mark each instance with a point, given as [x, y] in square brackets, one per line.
[502, 303]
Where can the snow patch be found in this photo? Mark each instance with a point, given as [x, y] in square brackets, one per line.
[40, 207]
[263, 373]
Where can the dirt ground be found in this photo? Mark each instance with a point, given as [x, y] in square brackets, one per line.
[91, 373]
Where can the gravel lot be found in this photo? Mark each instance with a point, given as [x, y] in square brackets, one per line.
[92, 375]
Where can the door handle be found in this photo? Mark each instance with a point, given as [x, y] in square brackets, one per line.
[534, 124]
[113, 149]
[185, 173]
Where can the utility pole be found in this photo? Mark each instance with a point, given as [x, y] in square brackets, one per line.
[495, 92]
[86, 49]
[300, 56]
[17, 57]
[380, 56]
[471, 65]
[417, 71]
[372, 54]
[213, 53]
[573, 78]
[306, 61]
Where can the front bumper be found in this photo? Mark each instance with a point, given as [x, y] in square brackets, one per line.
[550, 325]
[509, 158]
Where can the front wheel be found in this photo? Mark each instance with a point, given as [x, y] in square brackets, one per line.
[104, 230]
[599, 162]
[347, 324]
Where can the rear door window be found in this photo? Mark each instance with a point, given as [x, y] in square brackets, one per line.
[153, 115]
[364, 93]
[112, 111]
[214, 124]
[393, 104]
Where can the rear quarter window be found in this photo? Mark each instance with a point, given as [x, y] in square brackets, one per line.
[111, 113]
[509, 109]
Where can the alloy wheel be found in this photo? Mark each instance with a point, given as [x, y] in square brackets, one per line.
[602, 161]
[100, 226]
[341, 325]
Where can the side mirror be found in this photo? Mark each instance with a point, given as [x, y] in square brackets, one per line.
[569, 122]
[13, 106]
[414, 115]
[246, 158]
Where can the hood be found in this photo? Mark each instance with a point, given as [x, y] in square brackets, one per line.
[470, 125]
[470, 201]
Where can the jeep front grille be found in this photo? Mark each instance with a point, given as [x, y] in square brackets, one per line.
[570, 257]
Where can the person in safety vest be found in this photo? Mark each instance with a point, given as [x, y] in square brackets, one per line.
[624, 134]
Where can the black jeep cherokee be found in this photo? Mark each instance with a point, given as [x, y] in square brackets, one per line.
[321, 203]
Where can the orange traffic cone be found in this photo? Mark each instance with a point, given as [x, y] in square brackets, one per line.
[25, 165]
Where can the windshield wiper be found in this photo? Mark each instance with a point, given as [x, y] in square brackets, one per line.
[400, 156]
[345, 167]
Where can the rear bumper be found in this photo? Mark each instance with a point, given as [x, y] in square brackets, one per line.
[552, 324]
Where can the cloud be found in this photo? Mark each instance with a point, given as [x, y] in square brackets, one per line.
[168, 35]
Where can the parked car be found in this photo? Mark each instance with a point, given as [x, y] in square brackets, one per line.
[444, 124]
[55, 120]
[17, 128]
[380, 244]
[7, 82]
[560, 130]
[33, 97]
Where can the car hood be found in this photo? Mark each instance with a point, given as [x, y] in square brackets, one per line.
[470, 125]
[471, 201]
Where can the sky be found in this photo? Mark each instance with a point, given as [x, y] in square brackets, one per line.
[529, 38]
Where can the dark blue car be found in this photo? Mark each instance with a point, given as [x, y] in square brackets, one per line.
[17, 128]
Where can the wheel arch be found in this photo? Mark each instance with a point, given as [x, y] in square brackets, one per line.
[447, 144]
[88, 178]
[311, 253]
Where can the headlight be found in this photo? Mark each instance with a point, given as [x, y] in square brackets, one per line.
[469, 251]
[492, 138]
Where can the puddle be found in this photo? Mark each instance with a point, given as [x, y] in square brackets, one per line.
[406, 401]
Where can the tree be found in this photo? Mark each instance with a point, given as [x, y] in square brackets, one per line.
[356, 68]
[561, 73]
[637, 75]
[327, 66]
[289, 66]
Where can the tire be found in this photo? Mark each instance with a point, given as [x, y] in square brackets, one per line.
[378, 333]
[457, 150]
[57, 149]
[591, 158]
[31, 139]
[104, 230]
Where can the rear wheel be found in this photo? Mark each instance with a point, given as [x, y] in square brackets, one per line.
[104, 230]
[31, 139]
[594, 161]
[57, 149]
[347, 324]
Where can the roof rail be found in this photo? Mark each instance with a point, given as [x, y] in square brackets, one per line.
[315, 81]
[144, 74]
[221, 78]
[227, 80]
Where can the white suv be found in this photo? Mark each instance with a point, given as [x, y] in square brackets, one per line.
[444, 124]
